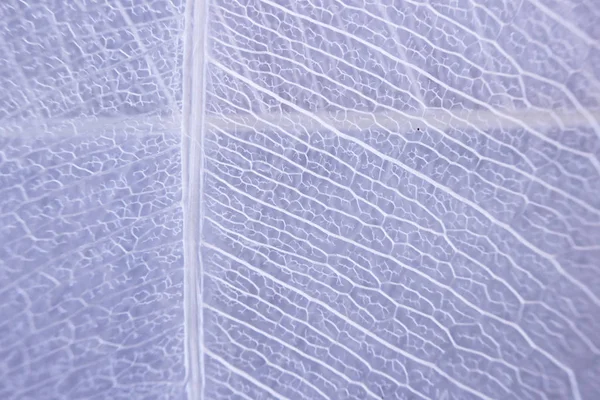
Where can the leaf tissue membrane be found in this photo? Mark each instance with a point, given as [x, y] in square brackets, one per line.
[280, 199]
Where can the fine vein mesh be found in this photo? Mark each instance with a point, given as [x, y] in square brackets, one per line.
[91, 255]
[286, 199]
[399, 200]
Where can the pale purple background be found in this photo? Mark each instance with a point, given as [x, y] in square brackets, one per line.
[372, 263]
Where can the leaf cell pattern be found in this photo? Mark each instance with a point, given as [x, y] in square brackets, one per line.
[369, 199]
[91, 256]
[400, 200]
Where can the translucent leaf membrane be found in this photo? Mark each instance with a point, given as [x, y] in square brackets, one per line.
[305, 199]
[401, 200]
[91, 261]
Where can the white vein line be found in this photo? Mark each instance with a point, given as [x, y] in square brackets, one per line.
[314, 329]
[151, 64]
[151, 125]
[192, 148]
[301, 195]
[416, 91]
[290, 48]
[27, 91]
[584, 72]
[515, 326]
[264, 357]
[329, 180]
[438, 127]
[415, 224]
[497, 46]
[116, 294]
[566, 23]
[109, 237]
[243, 374]
[229, 387]
[52, 90]
[558, 144]
[355, 325]
[529, 176]
[490, 12]
[424, 177]
[347, 296]
[118, 29]
[384, 294]
[321, 334]
[522, 301]
[420, 116]
[242, 124]
[55, 192]
[522, 72]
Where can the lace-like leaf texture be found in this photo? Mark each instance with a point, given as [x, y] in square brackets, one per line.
[383, 199]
